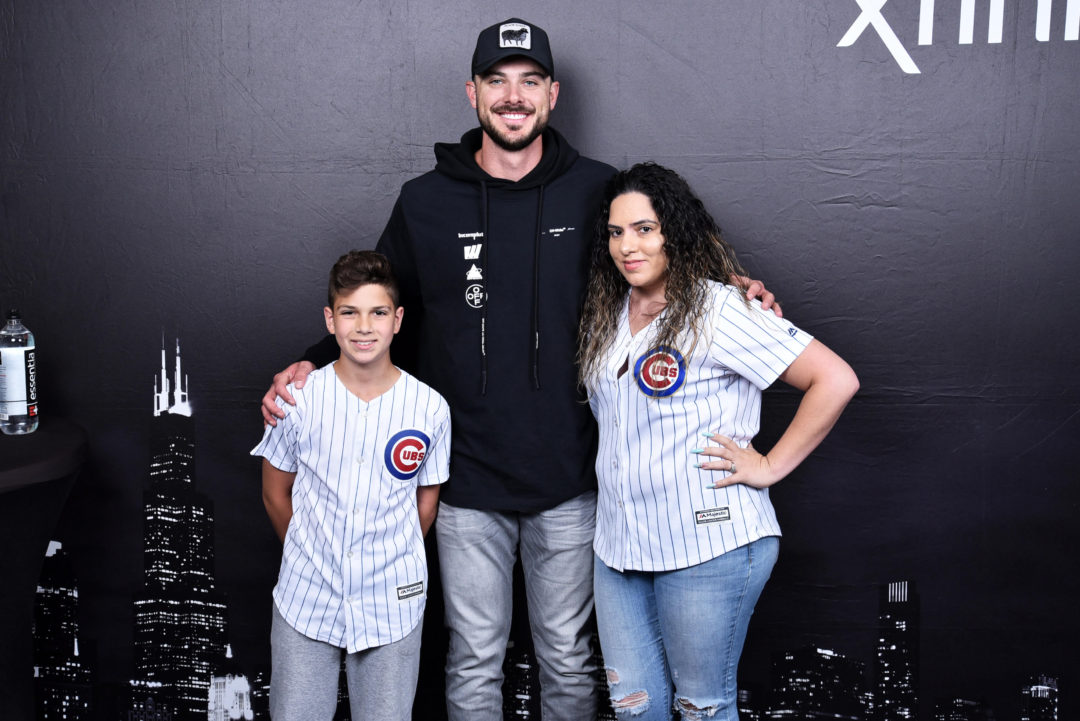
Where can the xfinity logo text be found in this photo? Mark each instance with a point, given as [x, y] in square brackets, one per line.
[871, 17]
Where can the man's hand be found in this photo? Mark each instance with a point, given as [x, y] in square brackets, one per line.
[296, 374]
[756, 289]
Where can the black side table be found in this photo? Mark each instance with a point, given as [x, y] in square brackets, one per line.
[37, 472]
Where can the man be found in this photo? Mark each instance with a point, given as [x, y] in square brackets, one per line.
[490, 252]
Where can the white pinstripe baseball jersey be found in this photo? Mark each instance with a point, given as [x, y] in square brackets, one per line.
[353, 569]
[654, 512]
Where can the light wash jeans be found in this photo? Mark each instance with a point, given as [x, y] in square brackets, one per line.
[681, 628]
[304, 677]
[477, 551]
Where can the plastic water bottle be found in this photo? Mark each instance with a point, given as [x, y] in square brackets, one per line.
[18, 378]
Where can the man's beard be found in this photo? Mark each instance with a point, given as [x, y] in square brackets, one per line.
[511, 144]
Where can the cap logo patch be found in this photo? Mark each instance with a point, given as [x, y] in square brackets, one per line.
[660, 371]
[405, 453]
[515, 35]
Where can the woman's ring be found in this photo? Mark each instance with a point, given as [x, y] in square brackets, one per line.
[733, 466]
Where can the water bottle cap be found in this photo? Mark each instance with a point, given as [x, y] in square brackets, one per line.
[14, 314]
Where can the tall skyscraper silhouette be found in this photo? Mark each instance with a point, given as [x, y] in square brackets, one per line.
[1039, 699]
[62, 679]
[896, 664]
[180, 616]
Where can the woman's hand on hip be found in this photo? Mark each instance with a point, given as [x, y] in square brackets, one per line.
[743, 465]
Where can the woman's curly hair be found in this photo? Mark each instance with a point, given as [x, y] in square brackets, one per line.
[695, 252]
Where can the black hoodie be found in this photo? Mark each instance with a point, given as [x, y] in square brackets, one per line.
[492, 274]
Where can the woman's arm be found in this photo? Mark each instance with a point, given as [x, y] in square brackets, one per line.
[828, 383]
[277, 497]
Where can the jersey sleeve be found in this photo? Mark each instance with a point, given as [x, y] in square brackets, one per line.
[279, 443]
[436, 468]
[752, 342]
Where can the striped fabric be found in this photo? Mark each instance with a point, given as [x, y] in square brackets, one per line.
[654, 512]
[353, 569]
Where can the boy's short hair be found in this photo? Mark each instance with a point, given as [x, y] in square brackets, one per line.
[361, 267]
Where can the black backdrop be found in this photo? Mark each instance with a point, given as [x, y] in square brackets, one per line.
[190, 170]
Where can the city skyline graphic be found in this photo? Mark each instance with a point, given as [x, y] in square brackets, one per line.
[183, 667]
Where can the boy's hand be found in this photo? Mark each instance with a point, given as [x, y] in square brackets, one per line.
[757, 289]
[296, 374]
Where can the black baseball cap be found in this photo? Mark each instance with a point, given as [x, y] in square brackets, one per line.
[512, 38]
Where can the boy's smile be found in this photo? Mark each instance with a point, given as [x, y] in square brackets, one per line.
[364, 322]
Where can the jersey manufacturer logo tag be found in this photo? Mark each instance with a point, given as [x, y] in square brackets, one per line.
[660, 371]
[712, 515]
[405, 453]
[413, 589]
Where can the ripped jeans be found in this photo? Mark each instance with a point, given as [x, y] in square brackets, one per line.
[675, 637]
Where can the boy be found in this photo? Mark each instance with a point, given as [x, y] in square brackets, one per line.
[350, 482]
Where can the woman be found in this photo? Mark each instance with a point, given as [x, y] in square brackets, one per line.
[673, 359]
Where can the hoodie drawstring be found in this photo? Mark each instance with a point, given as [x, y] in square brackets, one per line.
[536, 289]
[484, 299]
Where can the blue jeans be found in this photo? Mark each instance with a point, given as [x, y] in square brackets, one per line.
[683, 629]
[304, 677]
[477, 551]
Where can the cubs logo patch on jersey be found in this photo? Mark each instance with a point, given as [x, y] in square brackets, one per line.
[660, 371]
[405, 453]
